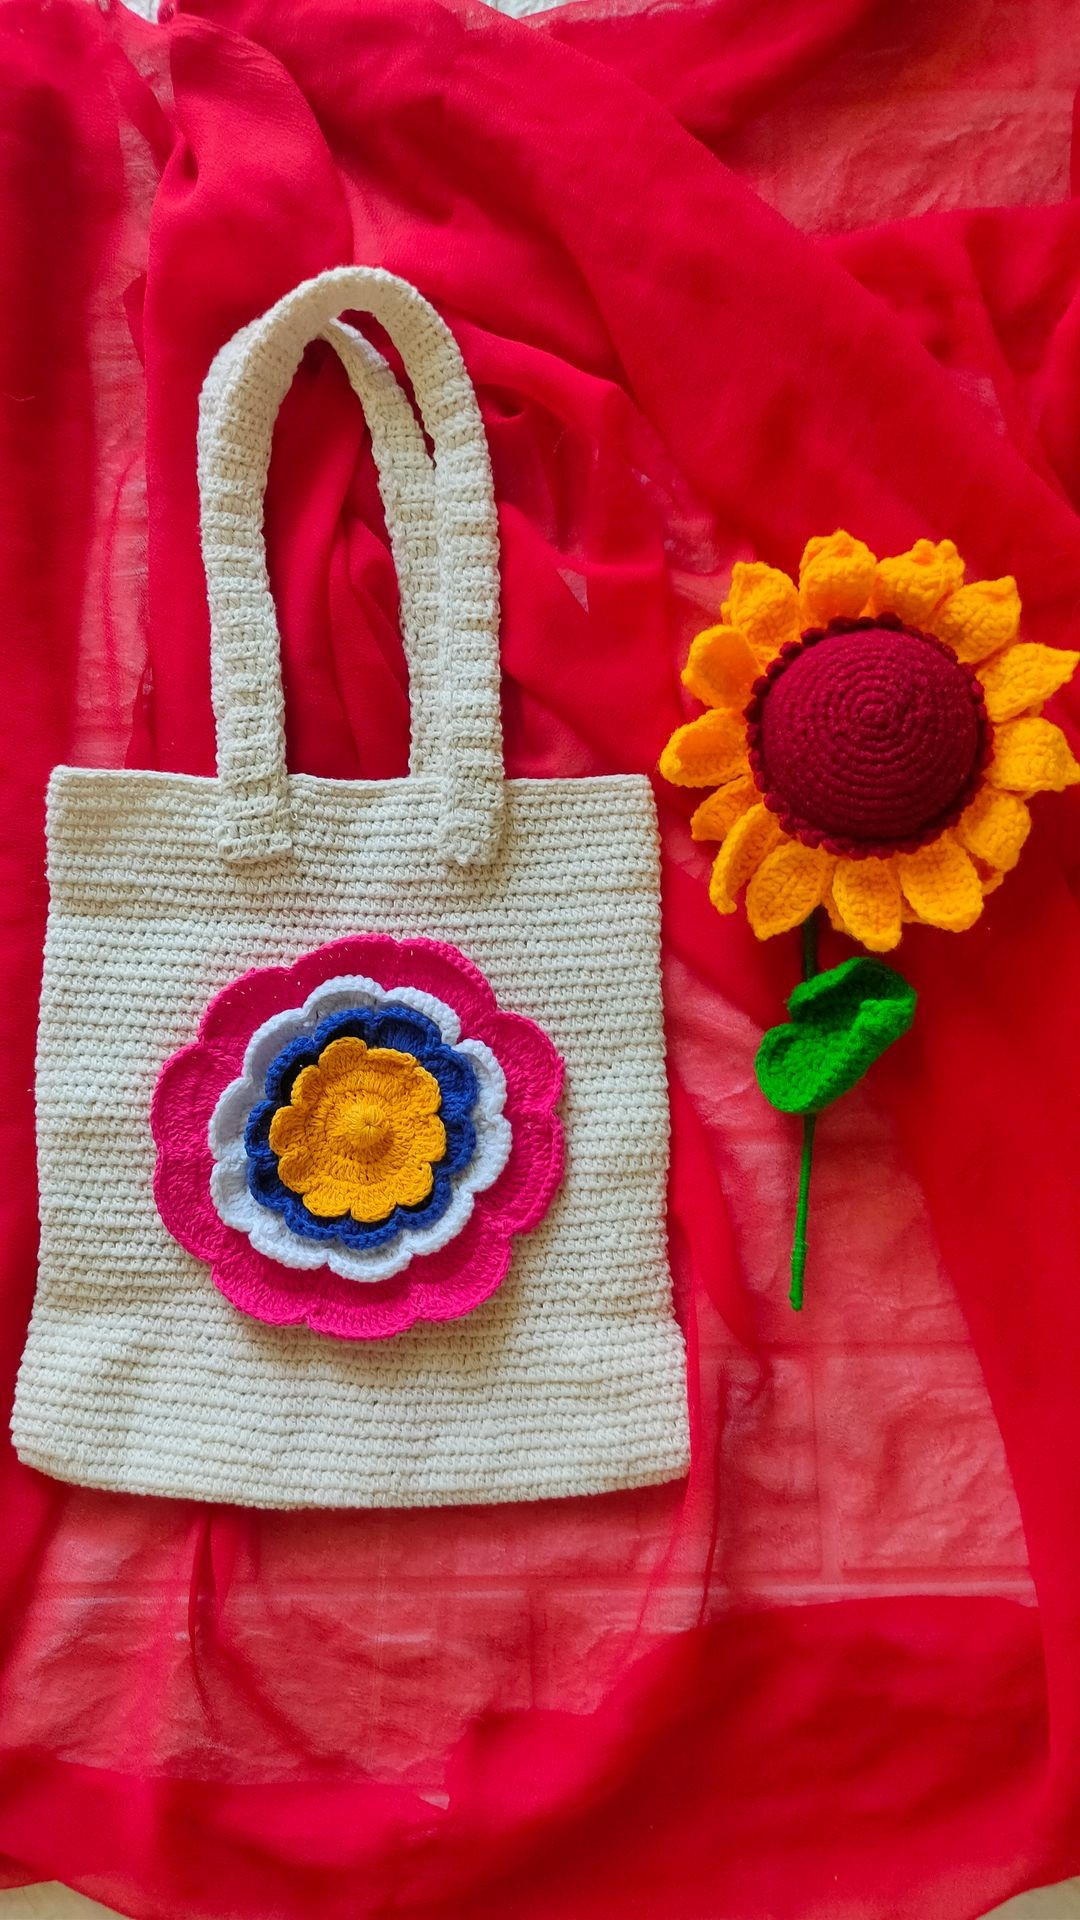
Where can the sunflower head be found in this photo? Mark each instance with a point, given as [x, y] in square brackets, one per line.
[872, 737]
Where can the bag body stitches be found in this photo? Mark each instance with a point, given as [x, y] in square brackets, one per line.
[138, 1373]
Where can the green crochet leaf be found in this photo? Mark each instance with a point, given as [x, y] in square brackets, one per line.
[841, 1022]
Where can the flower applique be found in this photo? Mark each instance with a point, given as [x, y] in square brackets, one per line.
[354, 1142]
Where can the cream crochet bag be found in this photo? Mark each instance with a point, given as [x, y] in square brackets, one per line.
[352, 1115]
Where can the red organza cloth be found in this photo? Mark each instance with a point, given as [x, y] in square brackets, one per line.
[836, 1672]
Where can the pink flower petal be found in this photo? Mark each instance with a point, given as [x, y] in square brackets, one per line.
[287, 1297]
[189, 1086]
[185, 1096]
[245, 1003]
[533, 1069]
[182, 1197]
[522, 1193]
[475, 1264]
[460, 1277]
[431, 965]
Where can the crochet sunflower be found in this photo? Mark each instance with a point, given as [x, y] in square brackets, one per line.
[873, 737]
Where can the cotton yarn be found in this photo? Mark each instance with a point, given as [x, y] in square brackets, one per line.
[880, 763]
[866, 737]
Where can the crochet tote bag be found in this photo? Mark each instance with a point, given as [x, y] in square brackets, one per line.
[352, 1113]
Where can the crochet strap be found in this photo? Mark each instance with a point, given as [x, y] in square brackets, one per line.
[443, 533]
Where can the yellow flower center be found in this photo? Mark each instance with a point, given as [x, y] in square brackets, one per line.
[361, 1134]
[365, 1128]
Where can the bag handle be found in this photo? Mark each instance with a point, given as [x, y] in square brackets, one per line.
[407, 485]
[443, 533]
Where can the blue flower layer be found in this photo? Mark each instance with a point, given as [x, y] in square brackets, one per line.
[390, 1026]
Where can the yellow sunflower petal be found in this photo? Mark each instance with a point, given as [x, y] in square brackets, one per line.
[978, 619]
[764, 603]
[788, 885]
[866, 894]
[835, 576]
[914, 583]
[710, 750]
[749, 840]
[722, 667]
[994, 828]
[1031, 756]
[717, 815]
[1022, 677]
[941, 884]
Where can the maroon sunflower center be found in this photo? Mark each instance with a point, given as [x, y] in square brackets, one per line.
[867, 736]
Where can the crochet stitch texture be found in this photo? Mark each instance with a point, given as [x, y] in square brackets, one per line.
[217, 1183]
[874, 735]
[139, 1374]
[457, 1089]
[360, 1133]
[473, 1089]
[867, 737]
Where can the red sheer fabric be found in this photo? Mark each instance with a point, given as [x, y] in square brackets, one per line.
[811, 1680]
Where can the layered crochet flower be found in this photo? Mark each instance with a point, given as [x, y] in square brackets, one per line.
[874, 736]
[355, 1140]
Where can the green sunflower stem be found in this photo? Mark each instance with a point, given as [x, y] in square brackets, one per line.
[802, 1210]
[802, 1213]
